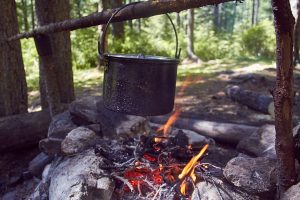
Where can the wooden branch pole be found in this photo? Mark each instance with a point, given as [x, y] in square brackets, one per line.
[283, 95]
[136, 11]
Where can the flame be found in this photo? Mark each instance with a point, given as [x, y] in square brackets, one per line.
[183, 187]
[188, 167]
[165, 128]
[193, 175]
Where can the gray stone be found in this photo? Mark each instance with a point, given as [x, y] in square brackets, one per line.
[77, 178]
[215, 189]
[254, 175]
[78, 140]
[61, 125]
[37, 165]
[293, 193]
[260, 143]
[9, 196]
[51, 146]
[90, 110]
[106, 185]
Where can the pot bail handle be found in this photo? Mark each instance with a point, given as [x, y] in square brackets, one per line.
[101, 45]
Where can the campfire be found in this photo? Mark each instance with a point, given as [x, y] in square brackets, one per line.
[161, 165]
[158, 165]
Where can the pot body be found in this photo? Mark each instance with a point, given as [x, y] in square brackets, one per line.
[139, 85]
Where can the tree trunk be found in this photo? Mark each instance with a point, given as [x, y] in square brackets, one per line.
[118, 28]
[297, 34]
[13, 88]
[32, 14]
[25, 15]
[190, 36]
[78, 8]
[217, 17]
[283, 95]
[60, 58]
[102, 5]
[255, 11]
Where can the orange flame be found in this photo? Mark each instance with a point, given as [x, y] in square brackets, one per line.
[165, 128]
[188, 167]
[183, 187]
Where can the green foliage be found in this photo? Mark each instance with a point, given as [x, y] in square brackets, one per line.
[84, 48]
[31, 63]
[210, 46]
[259, 40]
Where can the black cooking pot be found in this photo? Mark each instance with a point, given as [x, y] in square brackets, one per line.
[138, 84]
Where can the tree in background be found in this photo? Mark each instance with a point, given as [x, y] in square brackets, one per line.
[60, 47]
[217, 17]
[255, 12]
[13, 88]
[284, 95]
[190, 36]
[118, 28]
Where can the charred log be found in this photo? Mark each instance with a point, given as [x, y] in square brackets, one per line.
[222, 132]
[254, 100]
[23, 130]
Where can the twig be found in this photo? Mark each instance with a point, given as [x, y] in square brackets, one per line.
[125, 163]
[158, 191]
[139, 188]
[125, 181]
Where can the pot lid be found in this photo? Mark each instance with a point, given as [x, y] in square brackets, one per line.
[141, 57]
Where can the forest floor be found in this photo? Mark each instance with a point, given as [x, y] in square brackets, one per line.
[205, 95]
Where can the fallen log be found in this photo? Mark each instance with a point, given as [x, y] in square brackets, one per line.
[254, 100]
[222, 132]
[135, 11]
[23, 130]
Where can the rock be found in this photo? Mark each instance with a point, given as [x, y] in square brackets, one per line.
[121, 125]
[51, 146]
[61, 125]
[78, 140]
[14, 180]
[9, 196]
[77, 178]
[260, 143]
[254, 175]
[215, 189]
[107, 186]
[96, 128]
[91, 111]
[293, 193]
[296, 136]
[84, 111]
[37, 165]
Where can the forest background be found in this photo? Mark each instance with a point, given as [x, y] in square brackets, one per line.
[229, 31]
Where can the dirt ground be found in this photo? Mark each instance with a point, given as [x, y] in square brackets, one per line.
[204, 98]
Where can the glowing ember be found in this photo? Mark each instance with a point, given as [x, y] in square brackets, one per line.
[165, 128]
[186, 170]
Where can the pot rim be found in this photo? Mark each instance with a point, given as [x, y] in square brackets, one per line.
[141, 57]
